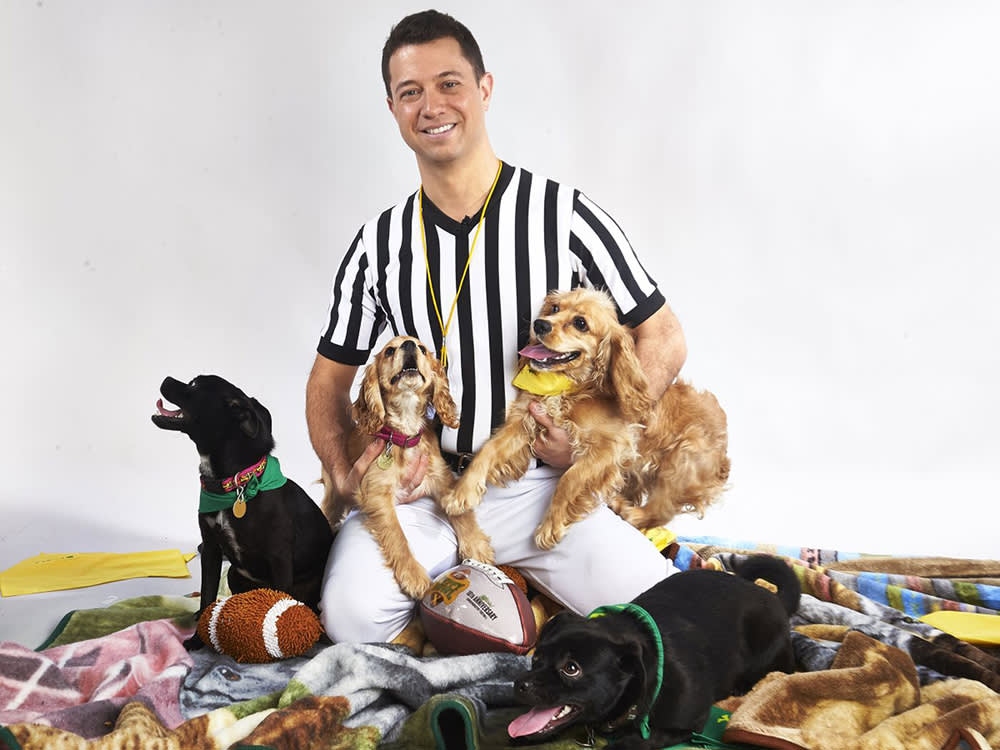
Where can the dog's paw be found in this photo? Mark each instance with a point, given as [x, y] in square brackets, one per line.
[477, 547]
[413, 581]
[463, 498]
[548, 535]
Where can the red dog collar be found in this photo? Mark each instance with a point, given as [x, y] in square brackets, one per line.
[398, 438]
[240, 478]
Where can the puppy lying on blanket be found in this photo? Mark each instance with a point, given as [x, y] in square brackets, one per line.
[648, 461]
[400, 386]
[269, 529]
[650, 670]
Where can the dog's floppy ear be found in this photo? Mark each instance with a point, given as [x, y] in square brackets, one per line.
[631, 661]
[262, 414]
[248, 417]
[368, 410]
[624, 377]
[441, 398]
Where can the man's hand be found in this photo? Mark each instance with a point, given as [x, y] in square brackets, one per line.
[409, 482]
[552, 443]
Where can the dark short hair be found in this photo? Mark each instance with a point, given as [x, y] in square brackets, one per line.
[429, 26]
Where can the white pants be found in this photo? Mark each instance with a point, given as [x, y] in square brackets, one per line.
[601, 560]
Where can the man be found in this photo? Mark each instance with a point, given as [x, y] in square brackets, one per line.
[463, 264]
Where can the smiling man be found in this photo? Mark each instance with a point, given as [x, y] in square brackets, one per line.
[463, 264]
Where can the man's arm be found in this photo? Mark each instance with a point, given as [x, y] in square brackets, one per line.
[661, 348]
[328, 416]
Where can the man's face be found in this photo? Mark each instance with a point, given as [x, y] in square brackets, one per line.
[438, 104]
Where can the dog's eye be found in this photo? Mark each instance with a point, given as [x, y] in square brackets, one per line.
[390, 351]
[423, 349]
[553, 309]
[571, 669]
[580, 324]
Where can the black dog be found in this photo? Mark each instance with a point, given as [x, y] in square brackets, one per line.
[269, 529]
[720, 634]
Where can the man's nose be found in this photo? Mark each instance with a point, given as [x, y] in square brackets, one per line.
[433, 102]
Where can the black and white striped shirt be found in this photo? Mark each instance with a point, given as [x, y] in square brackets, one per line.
[537, 236]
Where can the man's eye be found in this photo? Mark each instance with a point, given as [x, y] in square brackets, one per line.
[390, 351]
[571, 669]
[408, 94]
[580, 324]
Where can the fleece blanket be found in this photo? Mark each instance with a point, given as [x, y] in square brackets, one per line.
[119, 677]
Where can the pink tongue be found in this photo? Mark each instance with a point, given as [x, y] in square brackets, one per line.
[166, 412]
[533, 721]
[537, 351]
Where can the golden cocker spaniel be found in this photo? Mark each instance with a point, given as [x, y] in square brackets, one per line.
[647, 461]
[398, 389]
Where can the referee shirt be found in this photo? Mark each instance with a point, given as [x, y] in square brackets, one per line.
[537, 236]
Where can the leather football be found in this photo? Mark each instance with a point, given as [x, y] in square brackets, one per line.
[473, 608]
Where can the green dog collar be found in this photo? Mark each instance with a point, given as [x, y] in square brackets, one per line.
[650, 624]
[270, 479]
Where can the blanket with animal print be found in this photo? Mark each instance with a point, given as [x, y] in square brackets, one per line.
[138, 688]
[119, 677]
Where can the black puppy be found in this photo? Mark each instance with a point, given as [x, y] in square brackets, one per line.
[718, 635]
[269, 529]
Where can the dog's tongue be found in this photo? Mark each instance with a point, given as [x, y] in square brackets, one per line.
[537, 351]
[533, 721]
[166, 412]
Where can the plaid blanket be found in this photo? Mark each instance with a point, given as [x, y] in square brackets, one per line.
[120, 677]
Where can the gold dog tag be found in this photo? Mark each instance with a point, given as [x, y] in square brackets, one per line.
[240, 506]
[384, 460]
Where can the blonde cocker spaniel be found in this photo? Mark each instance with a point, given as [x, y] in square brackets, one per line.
[398, 389]
[647, 461]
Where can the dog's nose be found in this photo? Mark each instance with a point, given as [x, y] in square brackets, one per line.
[408, 346]
[541, 327]
[522, 688]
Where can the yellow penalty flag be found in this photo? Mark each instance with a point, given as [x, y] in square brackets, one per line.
[978, 628]
[75, 570]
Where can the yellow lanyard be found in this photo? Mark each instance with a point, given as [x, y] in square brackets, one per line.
[423, 239]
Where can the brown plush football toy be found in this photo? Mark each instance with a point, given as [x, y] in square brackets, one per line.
[258, 626]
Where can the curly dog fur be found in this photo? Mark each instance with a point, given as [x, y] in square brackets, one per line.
[647, 461]
[397, 388]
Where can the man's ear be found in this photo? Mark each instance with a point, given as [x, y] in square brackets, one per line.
[486, 90]
[392, 107]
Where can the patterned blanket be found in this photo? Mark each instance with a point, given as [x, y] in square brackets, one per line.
[119, 676]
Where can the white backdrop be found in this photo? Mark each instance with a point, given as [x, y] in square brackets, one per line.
[815, 186]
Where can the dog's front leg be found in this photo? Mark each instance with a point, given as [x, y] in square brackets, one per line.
[472, 540]
[211, 575]
[503, 458]
[579, 491]
[383, 524]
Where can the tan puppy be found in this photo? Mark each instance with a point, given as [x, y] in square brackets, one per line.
[648, 461]
[398, 389]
